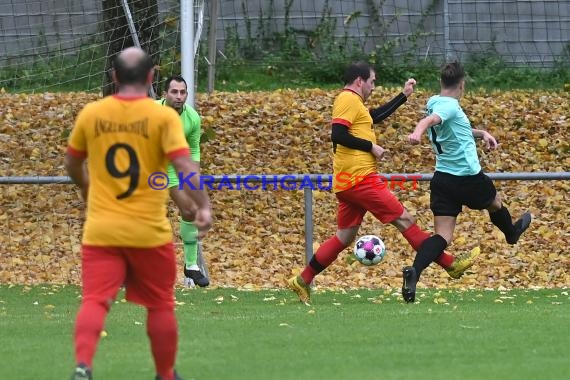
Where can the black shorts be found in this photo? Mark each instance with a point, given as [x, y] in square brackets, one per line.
[449, 193]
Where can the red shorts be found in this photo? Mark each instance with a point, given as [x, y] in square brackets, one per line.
[369, 195]
[149, 274]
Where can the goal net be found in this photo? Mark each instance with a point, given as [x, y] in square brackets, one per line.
[54, 45]
[67, 45]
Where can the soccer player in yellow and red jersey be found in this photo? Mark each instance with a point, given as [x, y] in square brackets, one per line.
[127, 238]
[356, 183]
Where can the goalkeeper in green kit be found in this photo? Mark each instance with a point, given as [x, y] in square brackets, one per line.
[175, 94]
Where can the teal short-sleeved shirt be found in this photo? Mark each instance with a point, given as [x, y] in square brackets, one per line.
[452, 140]
[192, 131]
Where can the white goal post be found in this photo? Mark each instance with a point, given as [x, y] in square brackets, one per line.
[190, 42]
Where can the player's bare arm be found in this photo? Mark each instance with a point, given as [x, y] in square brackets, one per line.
[76, 170]
[416, 136]
[377, 151]
[203, 220]
[490, 141]
[183, 164]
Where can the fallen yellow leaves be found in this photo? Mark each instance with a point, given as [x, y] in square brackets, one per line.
[258, 238]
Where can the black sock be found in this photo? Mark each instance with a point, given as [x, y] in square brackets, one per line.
[502, 219]
[317, 267]
[429, 251]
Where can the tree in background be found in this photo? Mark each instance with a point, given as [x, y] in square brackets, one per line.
[118, 35]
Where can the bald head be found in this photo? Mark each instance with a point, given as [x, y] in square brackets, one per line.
[132, 66]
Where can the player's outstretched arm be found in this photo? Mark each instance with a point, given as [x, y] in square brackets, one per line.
[416, 136]
[385, 110]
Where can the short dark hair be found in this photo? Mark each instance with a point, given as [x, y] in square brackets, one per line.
[132, 73]
[355, 70]
[451, 74]
[176, 78]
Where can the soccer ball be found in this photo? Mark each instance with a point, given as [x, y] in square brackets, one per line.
[369, 250]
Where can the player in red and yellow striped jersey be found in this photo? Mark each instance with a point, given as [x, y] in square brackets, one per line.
[127, 238]
[356, 183]
[119, 132]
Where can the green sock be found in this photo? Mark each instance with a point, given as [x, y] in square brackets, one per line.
[189, 233]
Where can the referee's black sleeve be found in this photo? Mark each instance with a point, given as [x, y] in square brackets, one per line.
[385, 110]
[341, 136]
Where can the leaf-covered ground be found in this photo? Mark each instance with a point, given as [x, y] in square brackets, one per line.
[258, 236]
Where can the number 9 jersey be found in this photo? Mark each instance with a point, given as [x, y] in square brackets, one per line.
[126, 141]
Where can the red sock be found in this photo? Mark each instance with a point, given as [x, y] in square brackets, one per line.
[415, 236]
[325, 255]
[162, 330]
[88, 326]
[445, 260]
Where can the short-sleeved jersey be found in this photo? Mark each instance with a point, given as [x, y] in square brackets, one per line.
[191, 123]
[125, 141]
[452, 140]
[350, 165]
[192, 132]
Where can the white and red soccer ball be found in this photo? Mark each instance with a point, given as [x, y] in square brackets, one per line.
[369, 250]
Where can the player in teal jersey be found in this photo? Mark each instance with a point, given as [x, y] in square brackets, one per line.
[175, 94]
[458, 179]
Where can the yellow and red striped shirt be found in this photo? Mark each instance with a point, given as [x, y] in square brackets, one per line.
[350, 165]
[125, 141]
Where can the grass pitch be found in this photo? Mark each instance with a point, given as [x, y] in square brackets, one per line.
[268, 334]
